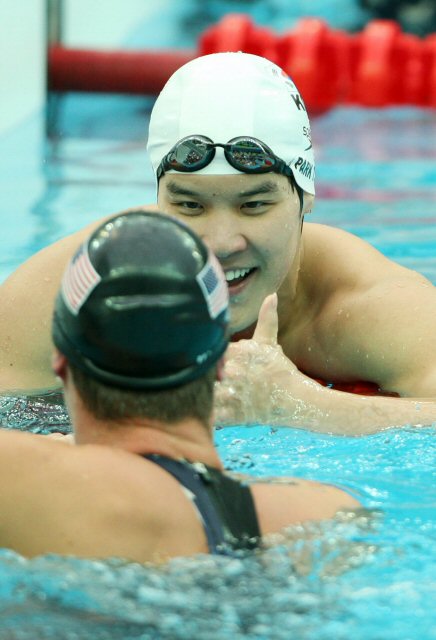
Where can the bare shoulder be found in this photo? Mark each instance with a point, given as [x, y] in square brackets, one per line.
[27, 300]
[50, 261]
[293, 501]
[345, 258]
[29, 459]
[367, 304]
[71, 472]
[91, 501]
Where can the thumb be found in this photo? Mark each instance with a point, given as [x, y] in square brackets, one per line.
[268, 321]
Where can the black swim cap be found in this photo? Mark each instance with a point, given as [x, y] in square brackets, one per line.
[143, 304]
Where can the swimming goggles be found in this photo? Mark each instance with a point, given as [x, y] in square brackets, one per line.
[243, 153]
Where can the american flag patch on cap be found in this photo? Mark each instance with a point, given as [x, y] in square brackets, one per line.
[214, 286]
[79, 280]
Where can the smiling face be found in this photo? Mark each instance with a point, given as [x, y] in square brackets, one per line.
[251, 222]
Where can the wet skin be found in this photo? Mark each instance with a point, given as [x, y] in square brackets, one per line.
[341, 303]
[341, 311]
[253, 225]
[345, 311]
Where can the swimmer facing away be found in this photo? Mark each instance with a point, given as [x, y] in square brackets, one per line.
[231, 148]
[140, 327]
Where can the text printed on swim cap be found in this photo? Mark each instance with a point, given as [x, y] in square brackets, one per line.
[305, 167]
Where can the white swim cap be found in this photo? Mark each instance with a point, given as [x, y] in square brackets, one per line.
[226, 95]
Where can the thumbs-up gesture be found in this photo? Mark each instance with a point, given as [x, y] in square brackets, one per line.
[268, 322]
[253, 375]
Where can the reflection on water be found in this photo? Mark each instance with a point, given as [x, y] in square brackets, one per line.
[38, 414]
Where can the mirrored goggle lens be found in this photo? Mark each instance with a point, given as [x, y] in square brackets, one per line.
[190, 154]
[248, 155]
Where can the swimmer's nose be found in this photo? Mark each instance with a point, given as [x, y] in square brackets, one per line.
[224, 237]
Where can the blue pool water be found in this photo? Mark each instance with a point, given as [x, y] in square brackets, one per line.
[372, 578]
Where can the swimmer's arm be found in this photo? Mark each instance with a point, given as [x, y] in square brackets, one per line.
[29, 464]
[27, 300]
[376, 322]
[262, 386]
[26, 307]
[401, 309]
[315, 522]
[296, 513]
[285, 501]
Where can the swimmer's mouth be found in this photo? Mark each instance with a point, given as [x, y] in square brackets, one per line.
[234, 277]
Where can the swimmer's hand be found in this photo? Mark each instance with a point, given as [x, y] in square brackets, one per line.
[255, 370]
[262, 386]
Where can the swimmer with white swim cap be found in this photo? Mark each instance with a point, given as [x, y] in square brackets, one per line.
[231, 148]
[256, 176]
[227, 96]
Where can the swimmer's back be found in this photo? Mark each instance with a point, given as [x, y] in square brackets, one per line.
[107, 502]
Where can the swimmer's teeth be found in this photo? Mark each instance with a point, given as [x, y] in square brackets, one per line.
[234, 274]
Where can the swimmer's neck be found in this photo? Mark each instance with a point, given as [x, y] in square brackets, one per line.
[187, 439]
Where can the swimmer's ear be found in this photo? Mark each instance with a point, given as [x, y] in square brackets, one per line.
[308, 202]
[220, 369]
[59, 364]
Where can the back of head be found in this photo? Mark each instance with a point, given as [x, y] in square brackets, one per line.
[143, 304]
[226, 95]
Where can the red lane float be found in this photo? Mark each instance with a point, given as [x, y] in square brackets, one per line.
[131, 72]
[389, 68]
[316, 59]
[380, 66]
[362, 388]
[430, 66]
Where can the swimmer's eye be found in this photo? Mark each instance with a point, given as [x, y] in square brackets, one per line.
[189, 207]
[254, 207]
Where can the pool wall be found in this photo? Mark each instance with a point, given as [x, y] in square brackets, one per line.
[22, 72]
[23, 38]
